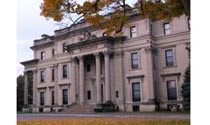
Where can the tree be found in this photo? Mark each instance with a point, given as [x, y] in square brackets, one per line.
[20, 92]
[186, 89]
[111, 15]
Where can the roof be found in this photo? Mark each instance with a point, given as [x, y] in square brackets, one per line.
[30, 61]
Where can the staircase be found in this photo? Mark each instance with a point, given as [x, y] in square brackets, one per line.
[79, 109]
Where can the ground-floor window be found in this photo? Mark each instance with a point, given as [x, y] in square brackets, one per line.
[136, 92]
[171, 90]
[135, 108]
[65, 96]
[41, 98]
[89, 95]
[53, 101]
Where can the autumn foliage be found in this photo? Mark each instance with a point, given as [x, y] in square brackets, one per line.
[105, 121]
[112, 15]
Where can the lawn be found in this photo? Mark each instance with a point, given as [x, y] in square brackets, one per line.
[105, 121]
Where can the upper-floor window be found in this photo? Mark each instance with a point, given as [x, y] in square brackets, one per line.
[116, 94]
[136, 92]
[171, 90]
[169, 57]
[134, 60]
[188, 22]
[53, 74]
[41, 98]
[166, 28]
[42, 55]
[133, 31]
[64, 48]
[65, 96]
[53, 52]
[64, 71]
[42, 76]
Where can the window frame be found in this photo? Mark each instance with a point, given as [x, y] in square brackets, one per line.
[42, 76]
[132, 65]
[166, 29]
[65, 97]
[53, 74]
[42, 98]
[53, 52]
[64, 45]
[89, 95]
[167, 63]
[52, 98]
[65, 74]
[133, 32]
[169, 96]
[42, 55]
[135, 99]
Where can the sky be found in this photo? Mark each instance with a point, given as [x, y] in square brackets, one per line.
[30, 26]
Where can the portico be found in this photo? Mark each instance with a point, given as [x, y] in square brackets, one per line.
[100, 81]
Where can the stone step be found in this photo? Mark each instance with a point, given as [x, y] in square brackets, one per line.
[78, 109]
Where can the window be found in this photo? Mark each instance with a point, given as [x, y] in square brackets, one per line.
[169, 57]
[53, 52]
[133, 31]
[53, 74]
[64, 48]
[117, 94]
[65, 96]
[42, 76]
[188, 21]
[166, 28]
[88, 94]
[42, 55]
[41, 98]
[171, 90]
[64, 71]
[52, 96]
[134, 60]
[135, 108]
[136, 91]
[88, 67]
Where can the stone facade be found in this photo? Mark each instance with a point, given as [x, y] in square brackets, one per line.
[141, 71]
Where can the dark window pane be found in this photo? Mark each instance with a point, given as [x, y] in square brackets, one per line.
[64, 71]
[136, 92]
[41, 98]
[88, 94]
[88, 67]
[42, 76]
[53, 52]
[53, 74]
[65, 96]
[53, 102]
[171, 90]
[117, 94]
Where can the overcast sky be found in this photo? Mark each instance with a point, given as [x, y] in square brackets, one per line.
[30, 26]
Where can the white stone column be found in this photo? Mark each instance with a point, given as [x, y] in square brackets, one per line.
[25, 88]
[56, 84]
[98, 79]
[34, 88]
[81, 80]
[73, 81]
[107, 78]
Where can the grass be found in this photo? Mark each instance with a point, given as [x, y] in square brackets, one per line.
[105, 121]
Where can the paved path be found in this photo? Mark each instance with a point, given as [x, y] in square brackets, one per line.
[23, 117]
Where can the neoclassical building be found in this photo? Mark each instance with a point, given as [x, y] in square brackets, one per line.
[142, 70]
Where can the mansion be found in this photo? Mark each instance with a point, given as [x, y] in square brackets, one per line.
[142, 70]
